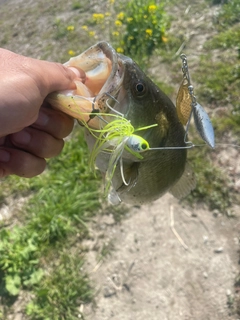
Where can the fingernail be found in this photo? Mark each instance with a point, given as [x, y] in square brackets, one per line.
[22, 137]
[79, 73]
[4, 156]
[42, 119]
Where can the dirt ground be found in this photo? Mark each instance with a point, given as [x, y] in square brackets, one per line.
[150, 274]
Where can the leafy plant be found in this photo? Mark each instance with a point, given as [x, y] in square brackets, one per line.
[136, 29]
[59, 294]
[19, 262]
[145, 24]
[63, 30]
[62, 200]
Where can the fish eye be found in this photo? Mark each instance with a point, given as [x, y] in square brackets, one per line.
[140, 88]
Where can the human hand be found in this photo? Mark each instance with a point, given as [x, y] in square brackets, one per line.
[28, 136]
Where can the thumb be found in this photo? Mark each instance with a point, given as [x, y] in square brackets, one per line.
[47, 76]
[58, 77]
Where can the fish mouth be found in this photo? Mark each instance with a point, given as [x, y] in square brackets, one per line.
[99, 89]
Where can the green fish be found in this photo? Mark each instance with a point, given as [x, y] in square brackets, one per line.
[133, 131]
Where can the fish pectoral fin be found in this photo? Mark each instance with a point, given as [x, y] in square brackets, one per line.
[185, 184]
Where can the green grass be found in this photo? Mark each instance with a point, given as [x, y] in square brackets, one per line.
[221, 92]
[62, 291]
[221, 86]
[212, 187]
[229, 15]
[227, 39]
[62, 200]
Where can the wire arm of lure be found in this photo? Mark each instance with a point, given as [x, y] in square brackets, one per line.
[112, 109]
[122, 173]
[192, 145]
[189, 146]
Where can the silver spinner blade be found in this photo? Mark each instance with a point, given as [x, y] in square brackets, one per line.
[203, 124]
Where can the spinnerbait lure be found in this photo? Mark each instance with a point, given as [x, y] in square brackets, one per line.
[187, 105]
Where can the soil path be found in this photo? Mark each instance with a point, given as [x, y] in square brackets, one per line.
[151, 275]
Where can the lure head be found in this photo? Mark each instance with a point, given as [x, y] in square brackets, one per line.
[116, 87]
[137, 144]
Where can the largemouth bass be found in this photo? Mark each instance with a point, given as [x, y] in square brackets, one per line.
[116, 94]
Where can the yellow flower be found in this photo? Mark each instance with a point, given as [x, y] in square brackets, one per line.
[85, 28]
[118, 23]
[91, 33]
[120, 16]
[120, 50]
[149, 32]
[111, 1]
[130, 38]
[164, 39]
[71, 53]
[115, 33]
[107, 14]
[152, 8]
[98, 17]
[70, 28]
[129, 19]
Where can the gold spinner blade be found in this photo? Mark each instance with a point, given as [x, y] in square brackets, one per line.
[183, 103]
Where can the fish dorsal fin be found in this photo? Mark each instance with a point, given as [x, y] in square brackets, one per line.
[185, 184]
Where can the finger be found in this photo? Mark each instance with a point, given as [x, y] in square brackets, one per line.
[38, 143]
[20, 163]
[54, 122]
[57, 76]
